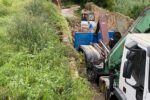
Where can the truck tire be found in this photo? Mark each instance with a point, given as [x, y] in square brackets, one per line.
[91, 75]
[113, 97]
[109, 96]
[89, 71]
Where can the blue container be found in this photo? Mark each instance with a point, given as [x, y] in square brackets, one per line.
[82, 38]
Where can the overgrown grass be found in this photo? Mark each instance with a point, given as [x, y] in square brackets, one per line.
[33, 62]
[130, 8]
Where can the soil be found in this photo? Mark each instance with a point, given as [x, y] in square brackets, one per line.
[98, 95]
[69, 12]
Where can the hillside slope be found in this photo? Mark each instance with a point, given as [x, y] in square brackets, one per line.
[115, 20]
[33, 62]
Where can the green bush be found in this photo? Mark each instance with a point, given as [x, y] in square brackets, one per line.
[35, 7]
[7, 2]
[130, 8]
[102, 3]
[41, 76]
[30, 32]
[3, 10]
[34, 64]
[32, 28]
[136, 10]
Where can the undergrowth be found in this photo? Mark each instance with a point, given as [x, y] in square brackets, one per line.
[130, 8]
[33, 62]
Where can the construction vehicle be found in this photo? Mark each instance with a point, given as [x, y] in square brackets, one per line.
[135, 69]
[87, 20]
[104, 63]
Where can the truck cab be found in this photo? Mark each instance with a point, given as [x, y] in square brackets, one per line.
[134, 80]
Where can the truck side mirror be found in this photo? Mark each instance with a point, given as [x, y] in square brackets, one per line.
[127, 70]
[130, 55]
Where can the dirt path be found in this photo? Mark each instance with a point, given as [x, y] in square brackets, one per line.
[69, 12]
[98, 95]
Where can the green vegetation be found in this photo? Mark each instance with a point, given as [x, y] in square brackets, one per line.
[33, 62]
[103, 3]
[130, 8]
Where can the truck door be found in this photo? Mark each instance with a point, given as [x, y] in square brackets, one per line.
[133, 87]
[147, 82]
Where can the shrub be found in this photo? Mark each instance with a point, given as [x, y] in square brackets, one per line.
[30, 32]
[34, 7]
[39, 69]
[3, 10]
[102, 3]
[7, 2]
[131, 8]
[136, 10]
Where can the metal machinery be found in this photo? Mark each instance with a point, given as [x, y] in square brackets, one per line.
[135, 69]
[103, 62]
[87, 21]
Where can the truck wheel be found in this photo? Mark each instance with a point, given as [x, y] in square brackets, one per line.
[109, 96]
[113, 97]
[91, 75]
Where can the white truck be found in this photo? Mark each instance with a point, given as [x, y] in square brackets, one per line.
[123, 71]
[134, 79]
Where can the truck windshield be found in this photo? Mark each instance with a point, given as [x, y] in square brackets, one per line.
[138, 73]
[138, 62]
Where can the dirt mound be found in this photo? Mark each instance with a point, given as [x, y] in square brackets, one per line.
[116, 21]
[74, 23]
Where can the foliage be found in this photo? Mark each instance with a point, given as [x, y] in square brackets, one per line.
[130, 8]
[30, 32]
[33, 62]
[103, 3]
[136, 10]
[3, 10]
[108, 4]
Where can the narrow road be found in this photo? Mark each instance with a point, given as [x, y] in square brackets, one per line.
[98, 95]
[69, 12]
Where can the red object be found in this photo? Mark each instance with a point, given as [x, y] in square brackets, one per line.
[104, 30]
